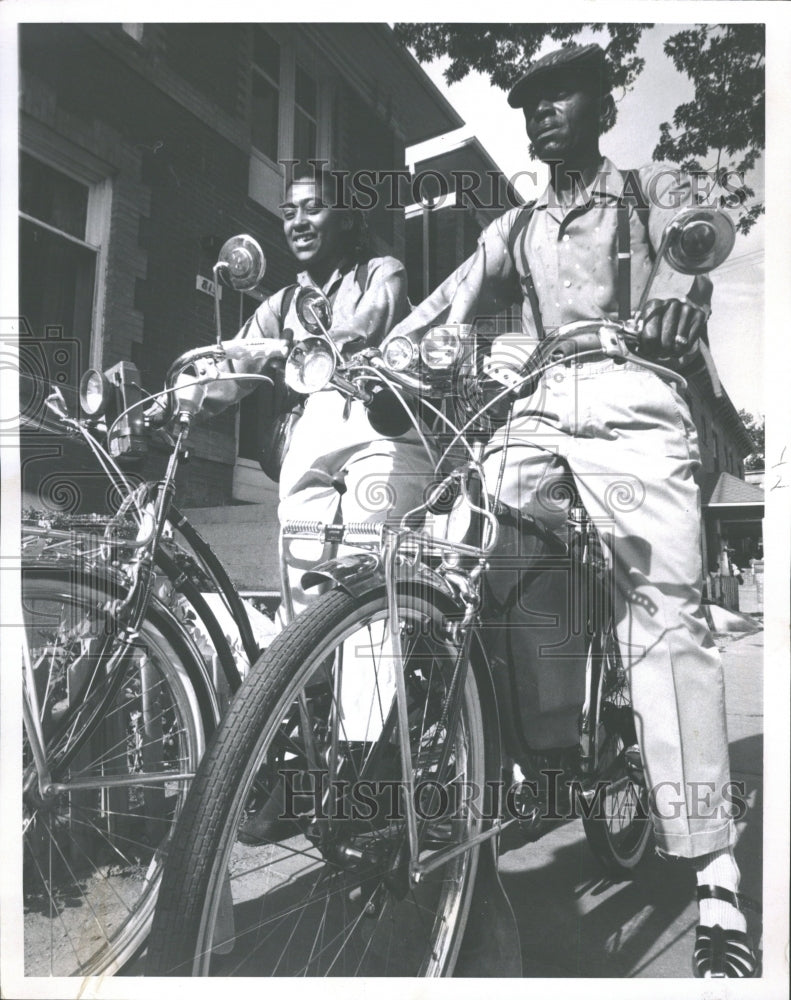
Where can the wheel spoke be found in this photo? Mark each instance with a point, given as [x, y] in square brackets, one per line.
[92, 863]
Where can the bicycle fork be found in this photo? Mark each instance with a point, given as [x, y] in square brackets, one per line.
[417, 868]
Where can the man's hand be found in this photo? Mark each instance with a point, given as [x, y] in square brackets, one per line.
[671, 327]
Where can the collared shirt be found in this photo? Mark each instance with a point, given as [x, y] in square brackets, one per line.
[370, 312]
[572, 254]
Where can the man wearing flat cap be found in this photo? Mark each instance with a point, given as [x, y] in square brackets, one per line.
[583, 250]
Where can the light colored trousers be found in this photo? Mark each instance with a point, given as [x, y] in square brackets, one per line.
[629, 441]
[381, 478]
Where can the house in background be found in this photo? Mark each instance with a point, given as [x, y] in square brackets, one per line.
[732, 508]
[143, 148]
[463, 190]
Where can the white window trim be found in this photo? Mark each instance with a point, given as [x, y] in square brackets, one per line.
[67, 158]
[289, 50]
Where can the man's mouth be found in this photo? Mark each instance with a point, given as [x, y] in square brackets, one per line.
[547, 130]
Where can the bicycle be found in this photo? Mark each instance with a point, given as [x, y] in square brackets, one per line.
[126, 671]
[370, 731]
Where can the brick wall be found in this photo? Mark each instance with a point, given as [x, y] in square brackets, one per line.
[171, 133]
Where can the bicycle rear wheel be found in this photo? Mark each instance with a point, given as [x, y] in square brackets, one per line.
[93, 854]
[329, 893]
[619, 829]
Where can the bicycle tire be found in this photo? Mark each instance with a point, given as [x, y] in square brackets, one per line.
[619, 829]
[297, 908]
[93, 857]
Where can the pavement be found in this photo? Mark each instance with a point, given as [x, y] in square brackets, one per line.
[573, 922]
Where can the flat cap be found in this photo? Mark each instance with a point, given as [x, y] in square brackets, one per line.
[587, 60]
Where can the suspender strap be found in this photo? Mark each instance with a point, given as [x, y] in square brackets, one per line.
[624, 263]
[361, 275]
[285, 302]
[518, 234]
[632, 195]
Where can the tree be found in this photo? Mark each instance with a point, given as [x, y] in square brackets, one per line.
[721, 129]
[756, 429]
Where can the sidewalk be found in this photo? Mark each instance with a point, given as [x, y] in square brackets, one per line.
[575, 923]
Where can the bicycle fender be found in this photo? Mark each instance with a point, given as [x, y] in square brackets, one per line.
[160, 616]
[361, 573]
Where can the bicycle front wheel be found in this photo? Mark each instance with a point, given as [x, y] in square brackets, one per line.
[117, 742]
[292, 857]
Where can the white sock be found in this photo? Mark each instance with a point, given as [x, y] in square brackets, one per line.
[720, 869]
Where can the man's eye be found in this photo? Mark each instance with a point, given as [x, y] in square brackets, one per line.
[288, 214]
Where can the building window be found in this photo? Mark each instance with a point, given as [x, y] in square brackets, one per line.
[290, 112]
[265, 97]
[58, 267]
[305, 116]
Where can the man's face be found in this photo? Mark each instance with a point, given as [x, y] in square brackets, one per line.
[561, 117]
[313, 230]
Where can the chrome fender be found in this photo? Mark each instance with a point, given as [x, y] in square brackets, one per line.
[361, 574]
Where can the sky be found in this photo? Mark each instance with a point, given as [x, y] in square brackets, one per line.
[736, 325]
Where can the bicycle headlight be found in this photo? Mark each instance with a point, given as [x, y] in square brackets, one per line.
[310, 365]
[399, 353]
[441, 347]
[95, 393]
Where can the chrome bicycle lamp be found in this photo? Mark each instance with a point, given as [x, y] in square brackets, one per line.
[399, 354]
[441, 347]
[310, 365]
[96, 393]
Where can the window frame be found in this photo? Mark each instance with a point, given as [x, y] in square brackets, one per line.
[267, 176]
[257, 70]
[63, 156]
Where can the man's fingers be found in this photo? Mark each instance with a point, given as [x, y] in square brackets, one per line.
[691, 324]
[650, 338]
[670, 325]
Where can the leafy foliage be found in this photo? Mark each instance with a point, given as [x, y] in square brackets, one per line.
[504, 51]
[756, 429]
[724, 122]
[726, 117]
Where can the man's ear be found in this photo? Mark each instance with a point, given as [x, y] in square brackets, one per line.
[607, 113]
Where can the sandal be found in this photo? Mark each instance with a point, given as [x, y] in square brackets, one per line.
[718, 953]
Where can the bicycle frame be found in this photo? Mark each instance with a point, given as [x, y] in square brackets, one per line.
[145, 559]
[399, 547]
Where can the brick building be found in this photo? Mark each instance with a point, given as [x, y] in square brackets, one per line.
[144, 147]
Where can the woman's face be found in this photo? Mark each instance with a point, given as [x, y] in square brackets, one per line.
[313, 230]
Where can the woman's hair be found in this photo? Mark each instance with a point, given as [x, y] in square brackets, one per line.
[334, 191]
